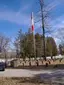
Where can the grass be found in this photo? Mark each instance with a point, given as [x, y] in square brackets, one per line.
[21, 81]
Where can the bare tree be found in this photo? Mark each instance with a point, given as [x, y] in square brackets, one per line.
[4, 42]
[18, 44]
[43, 19]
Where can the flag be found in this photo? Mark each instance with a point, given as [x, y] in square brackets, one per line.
[32, 21]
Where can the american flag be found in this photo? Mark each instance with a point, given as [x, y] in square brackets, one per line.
[32, 21]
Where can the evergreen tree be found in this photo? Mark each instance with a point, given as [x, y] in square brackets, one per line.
[61, 49]
[39, 45]
[51, 48]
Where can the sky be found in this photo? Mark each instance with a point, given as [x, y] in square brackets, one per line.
[16, 14]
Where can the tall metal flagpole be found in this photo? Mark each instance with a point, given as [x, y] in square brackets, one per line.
[33, 32]
[41, 5]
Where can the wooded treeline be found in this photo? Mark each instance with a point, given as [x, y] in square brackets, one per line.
[24, 45]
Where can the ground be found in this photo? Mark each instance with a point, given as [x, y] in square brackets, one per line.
[18, 81]
[32, 77]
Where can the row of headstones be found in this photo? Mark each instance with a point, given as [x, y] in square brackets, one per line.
[30, 63]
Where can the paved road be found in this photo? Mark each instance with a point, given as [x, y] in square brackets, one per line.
[20, 73]
[28, 73]
[56, 76]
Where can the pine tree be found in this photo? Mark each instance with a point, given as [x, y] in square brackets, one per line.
[51, 48]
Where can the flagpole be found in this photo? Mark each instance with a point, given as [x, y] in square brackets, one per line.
[33, 32]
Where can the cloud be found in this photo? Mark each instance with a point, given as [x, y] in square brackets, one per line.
[24, 9]
[20, 17]
[52, 5]
[48, 8]
[58, 22]
[58, 29]
[11, 17]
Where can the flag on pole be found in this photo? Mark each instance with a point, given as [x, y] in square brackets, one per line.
[32, 29]
[32, 21]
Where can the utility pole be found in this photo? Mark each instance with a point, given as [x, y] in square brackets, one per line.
[43, 28]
